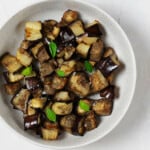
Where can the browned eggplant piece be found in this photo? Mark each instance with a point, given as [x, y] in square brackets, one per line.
[58, 83]
[96, 50]
[93, 29]
[20, 100]
[108, 92]
[32, 83]
[90, 121]
[12, 88]
[68, 122]
[47, 68]
[79, 66]
[50, 28]
[13, 77]
[24, 57]
[36, 48]
[31, 122]
[63, 96]
[93, 63]
[68, 67]
[80, 127]
[82, 112]
[110, 78]
[48, 86]
[77, 28]
[98, 81]
[30, 111]
[69, 51]
[83, 49]
[10, 62]
[26, 44]
[65, 38]
[50, 131]
[108, 65]
[62, 108]
[37, 92]
[79, 84]
[43, 55]
[103, 107]
[33, 30]
[70, 16]
[60, 61]
[37, 103]
[108, 52]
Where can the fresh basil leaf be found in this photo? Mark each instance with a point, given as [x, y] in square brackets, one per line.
[53, 49]
[60, 73]
[88, 66]
[27, 71]
[84, 105]
[50, 114]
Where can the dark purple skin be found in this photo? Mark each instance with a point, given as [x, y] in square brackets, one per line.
[106, 66]
[94, 31]
[32, 83]
[65, 38]
[108, 92]
[31, 122]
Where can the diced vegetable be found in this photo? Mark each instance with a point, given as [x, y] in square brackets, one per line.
[37, 102]
[21, 99]
[11, 63]
[62, 96]
[27, 71]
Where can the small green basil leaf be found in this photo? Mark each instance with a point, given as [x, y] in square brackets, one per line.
[50, 114]
[60, 73]
[53, 49]
[84, 105]
[27, 71]
[88, 66]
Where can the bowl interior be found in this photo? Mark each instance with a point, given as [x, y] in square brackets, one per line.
[12, 34]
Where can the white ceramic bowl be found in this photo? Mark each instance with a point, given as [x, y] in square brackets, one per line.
[11, 35]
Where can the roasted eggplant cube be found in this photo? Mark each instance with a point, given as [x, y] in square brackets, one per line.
[80, 126]
[62, 96]
[96, 51]
[20, 100]
[33, 31]
[68, 122]
[108, 92]
[37, 103]
[93, 29]
[83, 49]
[90, 121]
[77, 28]
[49, 134]
[32, 83]
[37, 92]
[58, 83]
[24, 57]
[30, 111]
[82, 112]
[108, 52]
[70, 16]
[31, 122]
[11, 63]
[43, 55]
[79, 84]
[47, 68]
[62, 108]
[98, 81]
[69, 51]
[14, 77]
[108, 65]
[103, 107]
[35, 50]
[26, 44]
[68, 67]
[89, 40]
[12, 88]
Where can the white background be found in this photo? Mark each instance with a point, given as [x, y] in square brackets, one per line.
[133, 133]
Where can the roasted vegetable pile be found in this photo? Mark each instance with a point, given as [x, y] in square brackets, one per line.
[58, 67]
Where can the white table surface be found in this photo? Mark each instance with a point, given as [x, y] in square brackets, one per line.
[133, 133]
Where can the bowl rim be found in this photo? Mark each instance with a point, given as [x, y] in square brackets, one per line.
[134, 82]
